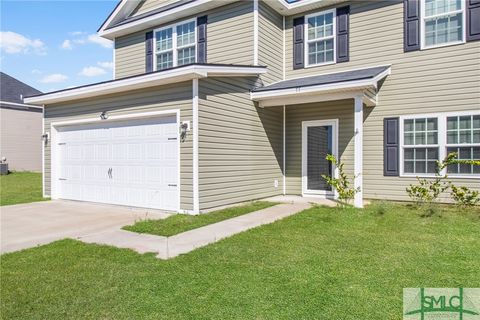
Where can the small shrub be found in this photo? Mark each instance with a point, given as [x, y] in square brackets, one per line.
[427, 191]
[342, 184]
[463, 196]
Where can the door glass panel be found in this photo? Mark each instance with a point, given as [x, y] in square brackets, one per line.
[319, 144]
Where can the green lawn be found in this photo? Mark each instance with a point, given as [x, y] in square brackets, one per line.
[322, 263]
[20, 187]
[183, 222]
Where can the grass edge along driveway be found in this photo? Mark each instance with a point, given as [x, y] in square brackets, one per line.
[179, 223]
[322, 263]
[21, 187]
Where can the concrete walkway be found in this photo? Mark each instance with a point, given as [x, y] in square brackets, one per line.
[170, 247]
[37, 223]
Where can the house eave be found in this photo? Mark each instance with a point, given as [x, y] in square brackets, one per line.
[154, 20]
[174, 75]
[322, 92]
[109, 31]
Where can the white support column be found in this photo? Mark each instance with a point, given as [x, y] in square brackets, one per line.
[196, 200]
[358, 147]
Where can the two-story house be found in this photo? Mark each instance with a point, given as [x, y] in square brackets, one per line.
[219, 102]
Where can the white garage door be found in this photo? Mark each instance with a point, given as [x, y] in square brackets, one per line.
[132, 163]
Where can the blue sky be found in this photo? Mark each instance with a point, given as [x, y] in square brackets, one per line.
[53, 45]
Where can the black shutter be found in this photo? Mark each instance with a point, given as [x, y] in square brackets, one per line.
[298, 43]
[343, 17]
[202, 39]
[411, 25]
[473, 20]
[149, 51]
[391, 149]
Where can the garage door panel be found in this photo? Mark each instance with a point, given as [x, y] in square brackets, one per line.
[131, 163]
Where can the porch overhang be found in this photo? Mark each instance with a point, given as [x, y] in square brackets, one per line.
[173, 75]
[327, 87]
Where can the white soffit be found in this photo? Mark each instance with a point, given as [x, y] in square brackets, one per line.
[322, 92]
[125, 8]
[144, 81]
[156, 19]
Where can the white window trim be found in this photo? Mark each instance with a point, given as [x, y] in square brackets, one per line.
[422, 27]
[442, 142]
[175, 48]
[334, 37]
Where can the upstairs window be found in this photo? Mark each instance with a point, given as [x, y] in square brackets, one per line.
[175, 45]
[443, 22]
[320, 36]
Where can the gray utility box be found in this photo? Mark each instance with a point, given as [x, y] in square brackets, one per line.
[3, 168]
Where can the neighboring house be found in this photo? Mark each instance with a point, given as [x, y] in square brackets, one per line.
[263, 90]
[20, 127]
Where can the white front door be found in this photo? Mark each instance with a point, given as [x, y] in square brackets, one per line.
[131, 162]
[319, 138]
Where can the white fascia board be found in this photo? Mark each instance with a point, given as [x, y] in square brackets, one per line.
[285, 8]
[192, 8]
[124, 8]
[160, 18]
[20, 104]
[145, 81]
[342, 86]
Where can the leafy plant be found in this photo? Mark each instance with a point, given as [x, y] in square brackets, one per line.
[427, 191]
[463, 196]
[342, 184]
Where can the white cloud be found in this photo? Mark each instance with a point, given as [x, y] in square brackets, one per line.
[36, 71]
[54, 78]
[12, 42]
[91, 72]
[106, 64]
[93, 38]
[80, 39]
[67, 45]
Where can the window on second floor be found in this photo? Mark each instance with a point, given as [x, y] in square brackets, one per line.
[175, 45]
[442, 22]
[320, 38]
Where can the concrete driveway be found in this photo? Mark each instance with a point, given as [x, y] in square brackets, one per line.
[28, 225]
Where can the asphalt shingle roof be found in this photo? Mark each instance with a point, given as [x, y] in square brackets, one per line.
[346, 76]
[11, 89]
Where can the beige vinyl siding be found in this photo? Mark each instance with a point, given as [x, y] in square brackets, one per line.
[148, 5]
[230, 34]
[240, 146]
[295, 115]
[229, 40]
[270, 43]
[429, 81]
[20, 140]
[168, 97]
[130, 55]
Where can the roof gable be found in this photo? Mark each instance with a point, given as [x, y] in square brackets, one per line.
[131, 16]
[13, 90]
